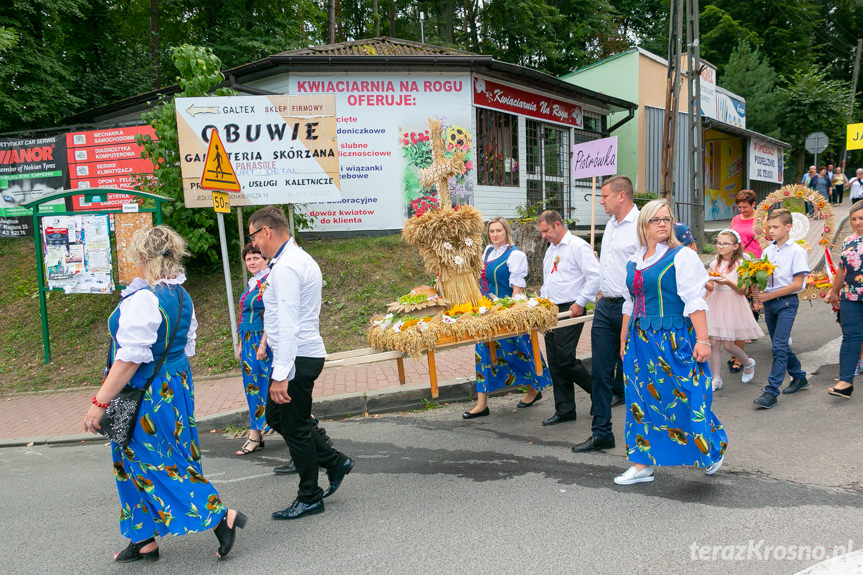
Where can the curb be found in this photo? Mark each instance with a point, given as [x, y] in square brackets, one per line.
[389, 400]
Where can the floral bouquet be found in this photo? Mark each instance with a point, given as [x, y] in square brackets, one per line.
[752, 273]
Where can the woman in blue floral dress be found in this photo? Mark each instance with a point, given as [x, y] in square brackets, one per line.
[665, 346]
[252, 351]
[503, 275]
[159, 477]
[847, 293]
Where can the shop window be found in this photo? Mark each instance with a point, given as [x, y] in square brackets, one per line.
[547, 166]
[497, 148]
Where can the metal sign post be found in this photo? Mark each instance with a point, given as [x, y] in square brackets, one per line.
[219, 176]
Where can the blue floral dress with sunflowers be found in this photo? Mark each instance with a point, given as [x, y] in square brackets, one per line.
[256, 372]
[159, 478]
[669, 420]
[514, 355]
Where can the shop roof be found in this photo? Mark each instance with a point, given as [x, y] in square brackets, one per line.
[380, 53]
[710, 123]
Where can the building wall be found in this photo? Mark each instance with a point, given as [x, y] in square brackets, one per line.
[618, 76]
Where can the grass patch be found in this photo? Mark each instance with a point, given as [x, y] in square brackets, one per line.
[361, 276]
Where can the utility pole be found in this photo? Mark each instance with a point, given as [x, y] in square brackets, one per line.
[854, 77]
[672, 97]
[331, 15]
[696, 136]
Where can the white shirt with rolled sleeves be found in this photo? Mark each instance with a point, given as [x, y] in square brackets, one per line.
[790, 259]
[689, 272]
[292, 308]
[619, 243]
[576, 277]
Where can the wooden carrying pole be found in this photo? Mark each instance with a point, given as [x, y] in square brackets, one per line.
[593, 214]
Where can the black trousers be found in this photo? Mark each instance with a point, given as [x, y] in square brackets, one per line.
[606, 368]
[564, 368]
[293, 421]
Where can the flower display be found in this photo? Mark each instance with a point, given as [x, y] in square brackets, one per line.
[754, 272]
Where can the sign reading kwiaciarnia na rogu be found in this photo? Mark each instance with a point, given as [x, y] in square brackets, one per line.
[283, 148]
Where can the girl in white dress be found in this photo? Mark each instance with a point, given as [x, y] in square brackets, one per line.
[729, 316]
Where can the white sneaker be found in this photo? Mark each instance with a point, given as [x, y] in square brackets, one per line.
[749, 371]
[716, 384]
[632, 475]
[715, 467]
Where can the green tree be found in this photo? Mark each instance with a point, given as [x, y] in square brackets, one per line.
[748, 74]
[200, 73]
[811, 102]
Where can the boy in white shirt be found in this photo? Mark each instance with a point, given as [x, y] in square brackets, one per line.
[780, 303]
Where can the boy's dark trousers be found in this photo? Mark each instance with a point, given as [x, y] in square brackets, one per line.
[779, 316]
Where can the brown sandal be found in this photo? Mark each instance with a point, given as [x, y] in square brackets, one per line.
[259, 445]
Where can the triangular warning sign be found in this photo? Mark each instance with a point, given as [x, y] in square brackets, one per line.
[218, 172]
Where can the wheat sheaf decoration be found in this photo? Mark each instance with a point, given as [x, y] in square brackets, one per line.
[449, 240]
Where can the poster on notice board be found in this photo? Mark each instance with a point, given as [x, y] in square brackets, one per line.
[77, 253]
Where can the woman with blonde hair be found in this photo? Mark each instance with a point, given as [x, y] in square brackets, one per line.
[665, 348]
[158, 474]
[503, 275]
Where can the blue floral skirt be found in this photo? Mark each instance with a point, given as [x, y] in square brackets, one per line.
[159, 478]
[669, 420]
[514, 365]
[256, 378]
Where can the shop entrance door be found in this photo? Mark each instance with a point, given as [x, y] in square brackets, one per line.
[547, 171]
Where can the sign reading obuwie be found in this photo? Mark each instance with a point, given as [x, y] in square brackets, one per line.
[282, 148]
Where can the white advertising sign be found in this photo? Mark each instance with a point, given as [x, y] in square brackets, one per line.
[384, 142]
[283, 149]
[730, 110]
[765, 161]
[708, 90]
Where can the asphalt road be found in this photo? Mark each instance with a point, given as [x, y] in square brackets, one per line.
[433, 493]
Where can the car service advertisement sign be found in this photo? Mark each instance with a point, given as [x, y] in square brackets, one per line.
[384, 142]
[283, 149]
[30, 168]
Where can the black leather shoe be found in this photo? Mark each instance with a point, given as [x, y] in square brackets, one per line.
[469, 415]
[556, 418]
[526, 404]
[795, 386]
[299, 509]
[617, 399]
[766, 401]
[337, 476]
[285, 469]
[594, 443]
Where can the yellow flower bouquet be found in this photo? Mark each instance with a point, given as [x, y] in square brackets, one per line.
[754, 272]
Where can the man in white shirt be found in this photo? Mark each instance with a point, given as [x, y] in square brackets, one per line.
[570, 279]
[619, 243]
[292, 305]
[855, 186]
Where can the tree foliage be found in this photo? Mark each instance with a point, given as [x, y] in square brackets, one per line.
[748, 74]
[199, 73]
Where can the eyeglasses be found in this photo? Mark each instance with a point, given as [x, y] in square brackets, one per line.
[256, 232]
[723, 244]
[655, 221]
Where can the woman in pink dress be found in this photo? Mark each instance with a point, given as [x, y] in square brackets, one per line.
[744, 224]
[729, 317]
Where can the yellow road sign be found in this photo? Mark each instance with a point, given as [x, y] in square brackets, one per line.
[854, 138]
[218, 172]
[222, 202]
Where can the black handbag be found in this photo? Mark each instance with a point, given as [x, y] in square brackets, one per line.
[121, 415]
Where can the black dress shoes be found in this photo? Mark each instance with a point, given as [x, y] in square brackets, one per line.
[299, 509]
[528, 404]
[594, 443]
[337, 476]
[469, 415]
[285, 469]
[617, 399]
[557, 418]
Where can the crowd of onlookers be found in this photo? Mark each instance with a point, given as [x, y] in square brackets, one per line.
[832, 183]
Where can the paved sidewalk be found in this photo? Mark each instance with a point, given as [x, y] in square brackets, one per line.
[60, 413]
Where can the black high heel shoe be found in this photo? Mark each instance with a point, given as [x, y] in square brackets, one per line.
[846, 392]
[133, 552]
[226, 535]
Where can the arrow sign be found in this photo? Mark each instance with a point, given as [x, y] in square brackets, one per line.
[195, 110]
[218, 172]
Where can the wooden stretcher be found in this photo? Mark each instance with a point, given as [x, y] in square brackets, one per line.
[370, 355]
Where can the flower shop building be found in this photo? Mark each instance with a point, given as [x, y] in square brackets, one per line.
[516, 127]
